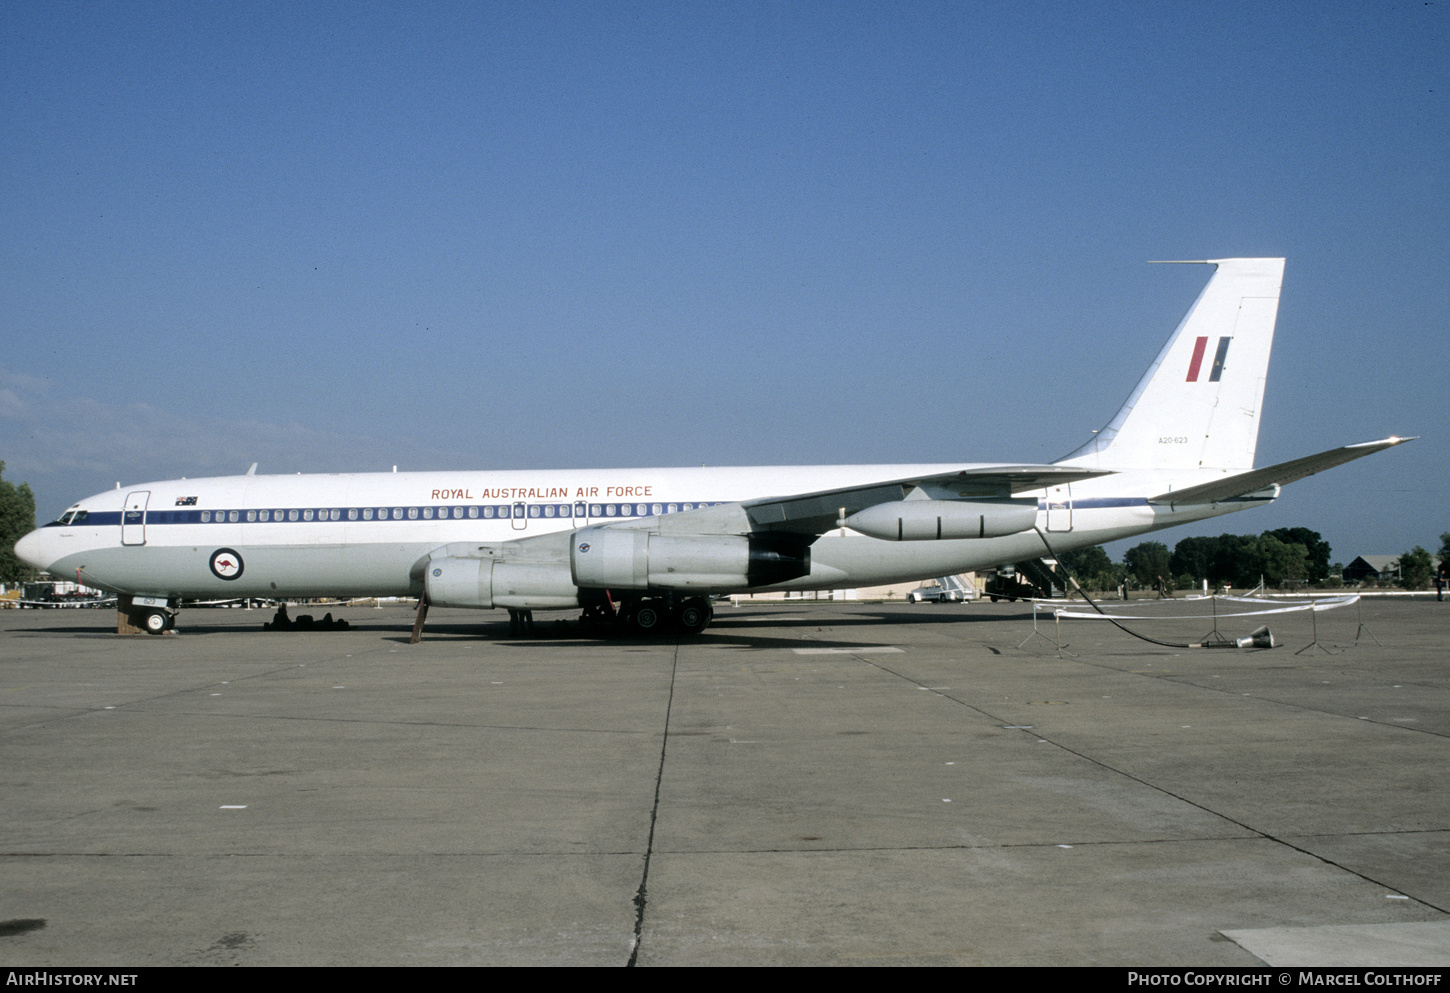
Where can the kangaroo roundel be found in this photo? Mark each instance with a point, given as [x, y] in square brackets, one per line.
[226, 564]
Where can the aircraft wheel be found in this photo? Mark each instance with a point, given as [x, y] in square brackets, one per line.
[694, 616]
[156, 622]
[647, 618]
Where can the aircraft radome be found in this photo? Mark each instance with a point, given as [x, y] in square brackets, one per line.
[647, 547]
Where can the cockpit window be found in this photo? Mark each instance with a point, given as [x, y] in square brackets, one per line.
[72, 516]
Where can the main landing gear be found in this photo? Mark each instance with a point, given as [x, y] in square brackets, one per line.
[651, 615]
[647, 615]
[521, 623]
[604, 617]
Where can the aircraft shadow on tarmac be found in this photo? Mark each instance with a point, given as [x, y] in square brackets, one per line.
[742, 630]
[752, 630]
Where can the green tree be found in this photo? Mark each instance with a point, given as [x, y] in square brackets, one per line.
[1092, 568]
[1193, 556]
[1147, 561]
[1445, 551]
[1282, 560]
[1242, 557]
[1415, 566]
[1316, 562]
[17, 519]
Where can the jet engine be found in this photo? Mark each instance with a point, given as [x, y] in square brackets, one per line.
[624, 559]
[929, 520]
[453, 581]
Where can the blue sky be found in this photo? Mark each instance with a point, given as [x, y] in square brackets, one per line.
[330, 237]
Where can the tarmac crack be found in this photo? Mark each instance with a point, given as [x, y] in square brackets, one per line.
[1194, 681]
[641, 895]
[1160, 789]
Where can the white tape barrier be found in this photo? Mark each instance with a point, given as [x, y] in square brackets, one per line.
[1325, 603]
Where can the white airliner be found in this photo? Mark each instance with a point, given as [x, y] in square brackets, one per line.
[646, 546]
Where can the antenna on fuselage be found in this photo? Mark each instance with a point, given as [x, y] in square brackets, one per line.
[253, 470]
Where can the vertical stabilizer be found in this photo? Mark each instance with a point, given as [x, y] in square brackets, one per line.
[1198, 404]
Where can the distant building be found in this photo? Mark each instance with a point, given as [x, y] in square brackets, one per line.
[1379, 568]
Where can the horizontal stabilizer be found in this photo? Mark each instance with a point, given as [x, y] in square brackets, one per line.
[1274, 475]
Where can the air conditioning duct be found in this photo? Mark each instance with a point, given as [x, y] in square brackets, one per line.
[931, 520]
[625, 559]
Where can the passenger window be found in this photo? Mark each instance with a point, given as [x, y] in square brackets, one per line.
[595, 510]
[548, 511]
[472, 511]
[206, 517]
[367, 513]
[427, 513]
[251, 516]
[307, 515]
[234, 516]
[352, 513]
[412, 513]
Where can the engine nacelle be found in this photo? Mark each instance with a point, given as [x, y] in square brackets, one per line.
[930, 520]
[624, 559]
[453, 581]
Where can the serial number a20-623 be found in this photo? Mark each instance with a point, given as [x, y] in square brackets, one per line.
[1167, 440]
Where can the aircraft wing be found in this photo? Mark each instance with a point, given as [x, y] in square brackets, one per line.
[817, 513]
[1274, 475]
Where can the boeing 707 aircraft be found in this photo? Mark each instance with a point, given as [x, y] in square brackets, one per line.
[648, 546]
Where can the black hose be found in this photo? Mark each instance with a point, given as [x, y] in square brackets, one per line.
[1110, 617]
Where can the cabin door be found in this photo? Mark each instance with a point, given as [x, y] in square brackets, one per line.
[1059, 508]
[133, 518]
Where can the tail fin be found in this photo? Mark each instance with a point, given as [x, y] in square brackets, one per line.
[1198, 404]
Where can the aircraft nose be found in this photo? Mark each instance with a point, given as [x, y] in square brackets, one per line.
[35, 550]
